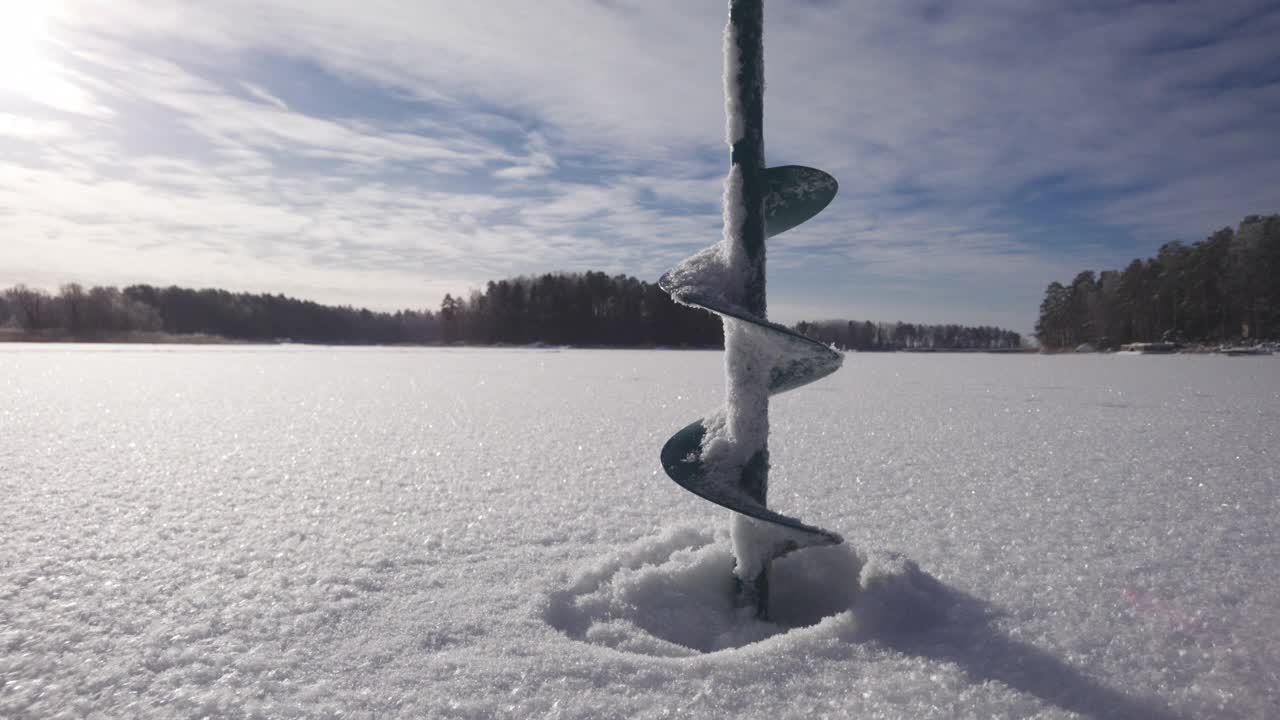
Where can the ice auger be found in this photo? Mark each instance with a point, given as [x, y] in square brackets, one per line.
[725, 458]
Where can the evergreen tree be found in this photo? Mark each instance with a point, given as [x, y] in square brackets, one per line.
[1221, 289]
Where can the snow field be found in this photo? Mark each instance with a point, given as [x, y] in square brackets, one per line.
[313, 532]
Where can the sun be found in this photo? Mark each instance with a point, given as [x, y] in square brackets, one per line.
[27, 70]
[23, 24]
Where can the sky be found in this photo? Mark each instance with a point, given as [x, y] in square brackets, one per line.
[384, 153]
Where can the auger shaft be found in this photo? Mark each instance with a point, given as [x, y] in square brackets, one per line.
[746, 18]
[724, 458]
[748, 420]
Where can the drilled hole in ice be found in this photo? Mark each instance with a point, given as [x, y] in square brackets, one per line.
[672, 596]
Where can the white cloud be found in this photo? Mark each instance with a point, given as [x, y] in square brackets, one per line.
[260, 93]
[28, 128]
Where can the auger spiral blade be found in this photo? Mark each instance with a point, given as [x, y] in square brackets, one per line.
[798, 361]
[682, 459]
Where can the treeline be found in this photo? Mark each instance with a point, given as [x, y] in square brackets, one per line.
[1224, 288]
[111, 313]
[581, 309]
[591, 309]
[563, 309]
[869, 336]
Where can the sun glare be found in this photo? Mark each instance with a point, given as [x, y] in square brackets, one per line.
[26, 68]
[23, 24]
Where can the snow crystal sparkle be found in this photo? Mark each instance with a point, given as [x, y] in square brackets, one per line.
[725, 458]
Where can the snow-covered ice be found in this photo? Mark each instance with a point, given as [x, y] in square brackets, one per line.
[456, 533]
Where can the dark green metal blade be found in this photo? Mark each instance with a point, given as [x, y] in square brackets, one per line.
[796, 193]
[682, 459]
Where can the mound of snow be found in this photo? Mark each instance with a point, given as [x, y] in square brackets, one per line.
[672, 596]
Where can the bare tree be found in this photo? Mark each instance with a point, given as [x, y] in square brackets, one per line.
[33, 307]
[73, 301]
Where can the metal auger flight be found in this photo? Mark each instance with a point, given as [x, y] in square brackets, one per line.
[725, 458]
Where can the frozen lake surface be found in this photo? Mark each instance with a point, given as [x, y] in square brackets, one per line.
[457, 533]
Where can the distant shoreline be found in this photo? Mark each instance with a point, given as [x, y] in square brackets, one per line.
[51, 337]
[133, 336]
[56, 337]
